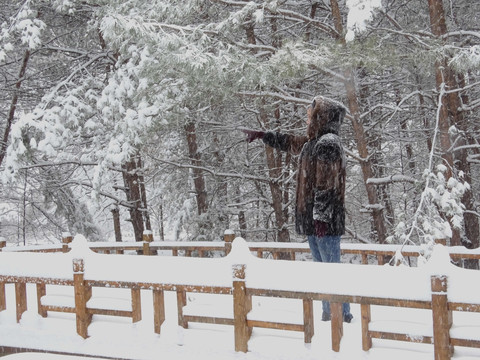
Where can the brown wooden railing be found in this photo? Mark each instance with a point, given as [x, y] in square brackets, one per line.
[369, 253]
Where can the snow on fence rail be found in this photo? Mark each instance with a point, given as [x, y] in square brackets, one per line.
[381, 252]
[438, 286]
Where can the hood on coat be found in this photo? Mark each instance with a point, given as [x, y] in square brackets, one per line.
[325, 117]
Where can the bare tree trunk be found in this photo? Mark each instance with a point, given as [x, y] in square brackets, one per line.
[161, 223]
[274, 158]
[198, 177]
[133, 193]
[242, 224]
[472, 230]
[116, 223]
[221, 189]
[13, 106]
[143, 196]
[470, 218]
[450, 113]
[365, 163]
[275, 165]
[313, 10]
[426, 122]
[361, 140]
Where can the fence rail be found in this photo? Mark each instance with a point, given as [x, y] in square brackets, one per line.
[381, 253]
[242, 276]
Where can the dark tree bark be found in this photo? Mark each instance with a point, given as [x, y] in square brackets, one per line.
[275, 165]
[116, 223]
[134, 196]
[360, 137]
[451, 114]
[198, 176]
[13, 106]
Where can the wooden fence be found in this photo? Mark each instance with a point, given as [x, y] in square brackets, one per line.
[418, 288]
[367, 252]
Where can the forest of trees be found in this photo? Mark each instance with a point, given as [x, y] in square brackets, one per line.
[126, 114]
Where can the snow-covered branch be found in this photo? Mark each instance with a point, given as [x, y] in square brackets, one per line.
[286, 15]
[266, 50]
[213, 172]
[117, 200]
[45, 164]
[462, 33]
[285, 98]
[391, 179]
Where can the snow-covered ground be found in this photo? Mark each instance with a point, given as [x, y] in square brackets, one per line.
[119, 338]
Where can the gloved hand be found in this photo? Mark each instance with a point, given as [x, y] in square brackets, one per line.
[320, 228]
[253, 135]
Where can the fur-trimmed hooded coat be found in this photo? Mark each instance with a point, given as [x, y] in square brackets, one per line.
[321, 168]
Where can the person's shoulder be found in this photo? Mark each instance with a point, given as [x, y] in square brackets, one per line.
[329, 147]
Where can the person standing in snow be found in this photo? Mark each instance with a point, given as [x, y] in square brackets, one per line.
[320, 193]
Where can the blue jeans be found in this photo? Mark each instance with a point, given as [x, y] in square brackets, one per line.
[327, 249]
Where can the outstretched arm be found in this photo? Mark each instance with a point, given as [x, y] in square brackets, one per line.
[253, 135]
[285, 142]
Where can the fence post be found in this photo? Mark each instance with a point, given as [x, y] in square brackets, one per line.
[136, 305]
[308, 320]
[3, 300]
[442, 318]
[228, 237]
[240, 308]
[66, 239]
[21, 299]
[158, 309]
[366, 317]
[337, 325]
[381, 259]
[41, 291]
[364, 259]
[181, 303]
[82, 295]
[147, 239]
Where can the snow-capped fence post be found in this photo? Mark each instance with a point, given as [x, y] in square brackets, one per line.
[442, 318]
[240, 308]
[228, 237]
[82, 295]
[337, 325]
[66, 239]
[147, 239]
